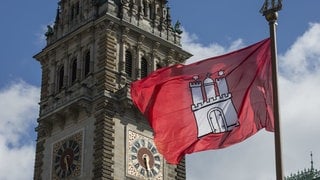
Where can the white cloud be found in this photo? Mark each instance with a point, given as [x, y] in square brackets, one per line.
[299, 83]
[40, 37]
[300, 101]
[303, 57]
[18, 114]
[200, 52]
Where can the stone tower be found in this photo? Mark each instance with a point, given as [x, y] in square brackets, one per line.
[88, 127]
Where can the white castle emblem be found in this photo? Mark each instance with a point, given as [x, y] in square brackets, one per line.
[212, 105]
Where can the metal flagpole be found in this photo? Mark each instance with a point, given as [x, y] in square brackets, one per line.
[270, 11]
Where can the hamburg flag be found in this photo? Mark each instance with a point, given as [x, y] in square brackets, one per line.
[209, 104]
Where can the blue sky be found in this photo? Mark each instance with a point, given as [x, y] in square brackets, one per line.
[210, 28]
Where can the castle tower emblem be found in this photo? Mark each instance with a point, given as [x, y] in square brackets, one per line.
[212, 105]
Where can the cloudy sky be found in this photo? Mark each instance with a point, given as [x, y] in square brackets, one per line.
[210, 28]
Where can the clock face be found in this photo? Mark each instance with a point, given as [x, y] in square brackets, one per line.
[144, 160]
[67, 158]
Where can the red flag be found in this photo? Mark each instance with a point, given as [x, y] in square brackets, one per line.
[210, 104]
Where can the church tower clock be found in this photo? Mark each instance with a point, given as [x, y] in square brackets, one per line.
[88, 127]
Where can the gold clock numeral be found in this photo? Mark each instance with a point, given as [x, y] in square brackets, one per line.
[154, 170]
[57, 159]
[133, 157]
[64, 146]
[137, 144]
[157, 166]
[76, 157]
[142, 172]
[60, 151]
[137, 165]
[61, 173]
[142, 142]
[134, 149]
[153, 150]
[157, 158]
[73, 167]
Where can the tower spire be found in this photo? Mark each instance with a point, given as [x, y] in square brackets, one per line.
[311, 161]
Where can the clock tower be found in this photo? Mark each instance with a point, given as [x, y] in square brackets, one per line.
[88, 127]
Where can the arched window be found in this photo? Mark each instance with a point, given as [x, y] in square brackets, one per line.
[60, 78]
[145, 8]
[77, 8]
[74, 71]
[72, 12]
[158, 66]
[87, 64]
[144, 67]
[151, 11]
[128, 64]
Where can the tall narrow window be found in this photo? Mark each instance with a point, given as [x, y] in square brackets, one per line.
[60, 77]
[159, 66]
[128, 64]
[144, 67]
[145, 8]
[77, 8]
[74, 71]
[87, 64]
[72, 12]
[151, 11]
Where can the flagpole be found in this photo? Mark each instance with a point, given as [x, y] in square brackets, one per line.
[270, 11]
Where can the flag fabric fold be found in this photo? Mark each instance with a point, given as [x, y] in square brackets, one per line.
[210, 104]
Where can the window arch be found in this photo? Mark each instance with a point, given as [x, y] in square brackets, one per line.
[75, 10]
[151, 12]
[74, 70]
[145, 8]
[144, 67]
[72, 12]
[60, 78]
[128, 63]
[158, 66]
[87, 64]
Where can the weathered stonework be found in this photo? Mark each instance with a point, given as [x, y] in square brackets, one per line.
[103, 147]
[38, 160]
[89, 40]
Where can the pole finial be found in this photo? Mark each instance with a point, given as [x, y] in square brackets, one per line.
[268, 9]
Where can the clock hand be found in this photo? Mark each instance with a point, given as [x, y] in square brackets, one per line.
[65, 160]
[146, 161]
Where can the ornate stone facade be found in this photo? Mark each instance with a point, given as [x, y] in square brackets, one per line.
[94, 50]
